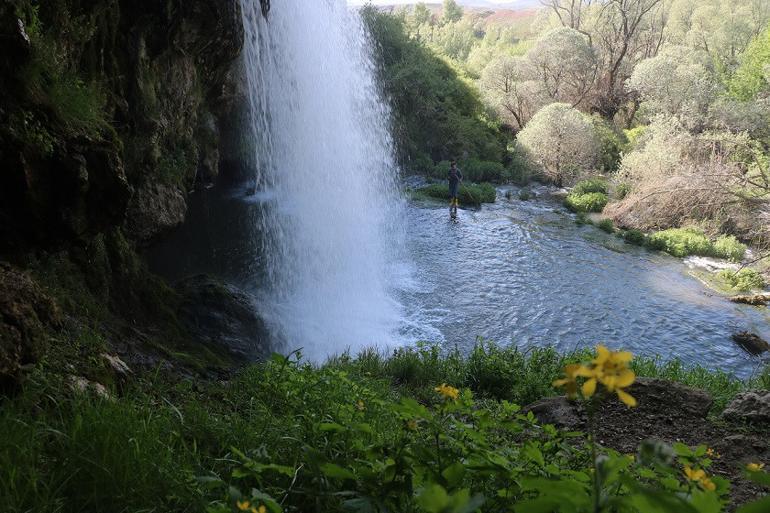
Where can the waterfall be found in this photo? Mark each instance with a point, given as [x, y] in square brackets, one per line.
[326, 176]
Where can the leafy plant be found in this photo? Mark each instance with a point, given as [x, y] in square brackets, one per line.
[745, 279]
[589, 202]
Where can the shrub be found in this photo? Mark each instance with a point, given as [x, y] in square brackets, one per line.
[472, 194]
[622, 190]
[590, 202]
[582, 219]
[745, 279]
[682, 242]
[611, 144]
[525, 195]
[635, 237]
[560, 141]
[519, 171]
[606, 225]
[728, 247]
[590, 185]
[475, 170]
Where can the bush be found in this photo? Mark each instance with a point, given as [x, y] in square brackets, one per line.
[744, 280]
[519, 171]
[581, 218]
[682, 242]
[728, 247]
[475, 170]
[525, 195]
[590, 185]
[622, 190]
[590, 202]
[611, 144]
[472, 194]
[606, 225]
[635, 237]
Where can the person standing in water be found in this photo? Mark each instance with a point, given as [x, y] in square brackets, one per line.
[455, 177]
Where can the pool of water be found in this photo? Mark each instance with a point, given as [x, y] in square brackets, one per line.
[524, 273]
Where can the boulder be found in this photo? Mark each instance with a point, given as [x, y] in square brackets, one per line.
[751, 342]
[666, 396]
[751, 406]
[559, 411]
[220, 315]
[26, 316]
[155, 209]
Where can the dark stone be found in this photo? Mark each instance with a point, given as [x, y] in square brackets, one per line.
[751, 342]
[559, 411]
[155, 209]
[658, 394]
[220, 315]
[752, 406]
[26, 316]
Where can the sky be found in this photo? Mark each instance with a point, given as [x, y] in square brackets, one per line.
[392, 2]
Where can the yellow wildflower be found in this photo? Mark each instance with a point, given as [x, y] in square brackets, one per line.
[260, 509]
[610, 368]
[755, 467]
[360, 405]
[694, 475]
[700, 477]
[411, 425]
[569, 382]
[711, 453]
[243, 506]
[449, 392]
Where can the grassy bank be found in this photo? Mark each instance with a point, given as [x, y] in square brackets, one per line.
[362, 433]
[472, 194]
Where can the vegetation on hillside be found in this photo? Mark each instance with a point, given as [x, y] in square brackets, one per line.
[418, 431]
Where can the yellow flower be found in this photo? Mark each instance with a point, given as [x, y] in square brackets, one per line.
[694, 475]
[610, 368]
[411, 425]
[708, 484]
[711, 453]
[260, 509]
[449, 392]
[243, 506]
[569, 382]
[755, 467]
[360, 405]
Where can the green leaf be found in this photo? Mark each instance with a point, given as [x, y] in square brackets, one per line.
[331, 426]
[335, 471]
[762, 478]
[454, 474]
[433, 499]
[760, 506]
[534, 454]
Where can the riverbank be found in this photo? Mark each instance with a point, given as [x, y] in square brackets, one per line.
[353, 433]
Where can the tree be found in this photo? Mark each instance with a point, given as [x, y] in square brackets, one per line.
[452, 12]
[421, 14]
[564, 64]
[753, 76]
[561, 141]
[507, 87]
[622, 33]
[678, 82]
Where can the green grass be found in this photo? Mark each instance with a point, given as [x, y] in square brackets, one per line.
[682, 242]
[606, 225]
[635, 237]
[745, 279]
[309, 437]
[588, 202]
[473, 194]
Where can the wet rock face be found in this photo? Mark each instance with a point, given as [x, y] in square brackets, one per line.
[220, 315]
[165, 70]
[26, 313]
[752, 406]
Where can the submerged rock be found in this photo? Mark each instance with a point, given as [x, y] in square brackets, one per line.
[220, 315]
[751, 342]
[751, 406]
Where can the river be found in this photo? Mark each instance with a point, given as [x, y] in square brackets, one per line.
[522, 272]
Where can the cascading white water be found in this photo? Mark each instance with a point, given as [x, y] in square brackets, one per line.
[326, 173]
